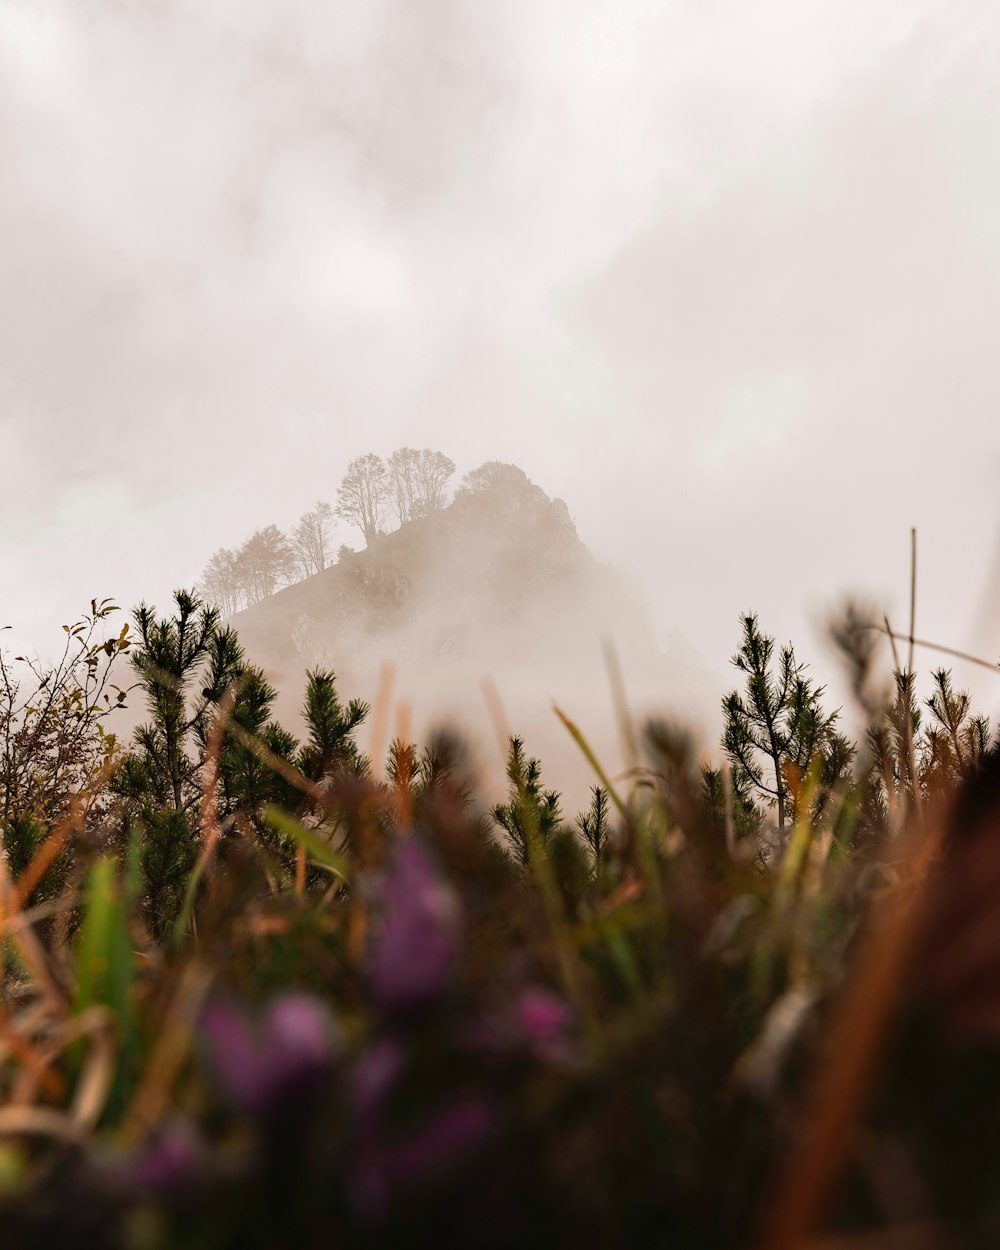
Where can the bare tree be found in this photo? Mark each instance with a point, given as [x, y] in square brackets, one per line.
[492, 475]
[433, 469]
[52, 736]
[362, 495]
[222, 582]
[402, 482]
[265, 561]
[417, 480]
[311, 538]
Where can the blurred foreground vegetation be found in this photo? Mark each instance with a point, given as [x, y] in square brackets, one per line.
[259, 989]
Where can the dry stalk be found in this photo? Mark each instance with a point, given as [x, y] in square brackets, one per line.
[858, 1035]
[169, 1053]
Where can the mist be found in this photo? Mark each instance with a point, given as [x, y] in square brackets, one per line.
[482, 617]
[517, 860]
[721, 277]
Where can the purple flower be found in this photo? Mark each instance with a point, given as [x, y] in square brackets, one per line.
[538, 1023]
[172, 1161]
[542, 1018]
[458, 1128]
[261, 1064]
[416, 949]
[297, 1038]
[375, 1074]
[381, 1167]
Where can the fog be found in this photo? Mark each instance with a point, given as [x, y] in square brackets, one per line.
[724, 277]
[483, 616]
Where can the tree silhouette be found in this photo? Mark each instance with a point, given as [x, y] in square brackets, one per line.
[159, 781]
[955, 742]
[266, 561]
[490, 476]
[222, 583]
[416, 481]
[362, 495]
[53, 740]
[778, 721]
[311, 539]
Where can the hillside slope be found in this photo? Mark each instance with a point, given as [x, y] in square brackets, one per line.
[497, 584]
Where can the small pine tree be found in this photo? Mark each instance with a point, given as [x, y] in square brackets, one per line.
[596, 826]
[778, 721]
[330, 746]
[743, 811]
[530, 812]
[955, 741]
[186, 664]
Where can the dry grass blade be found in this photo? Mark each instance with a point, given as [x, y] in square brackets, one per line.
[625, 726]
[39, 1122]
[498, 717]
[913, 595]
[858, 1035]
[893, 637]
[300, 870]
[210, 777]
[402, 792]
[169, 1053]
[98, 1073]
[282, 767]
[593, 761]
[30, 949]
[380, 715]
[12, 1042]
[211, 830]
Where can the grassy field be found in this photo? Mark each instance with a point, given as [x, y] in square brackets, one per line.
[263, 991]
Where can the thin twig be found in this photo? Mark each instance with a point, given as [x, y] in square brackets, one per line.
[932, 646]
[913, 593]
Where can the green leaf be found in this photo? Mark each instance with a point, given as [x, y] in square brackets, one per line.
[104, 950]
[314, 844]
[592, 760]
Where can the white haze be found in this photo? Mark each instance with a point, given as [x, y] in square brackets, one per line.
[499, 582]
[723, 276]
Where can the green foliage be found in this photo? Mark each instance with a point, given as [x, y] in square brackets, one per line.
[330, 745]
[776, 723]
[55, 734]
[103, 947]
[744, 813]
[530, 816]
[301, 835]
[300, 1005]
[173, 653]
[955, 741]
[595, 825]
[193, 672]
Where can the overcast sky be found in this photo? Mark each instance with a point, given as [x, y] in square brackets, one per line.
[723, 274]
